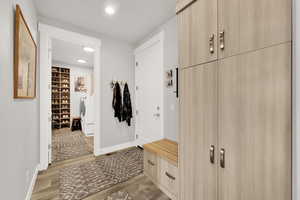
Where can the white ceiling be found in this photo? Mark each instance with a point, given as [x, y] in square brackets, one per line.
[68, 53]
[133, 20]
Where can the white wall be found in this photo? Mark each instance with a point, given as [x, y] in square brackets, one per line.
[296, 102]
[171, 103]
[76, 96]
[19, 119]
[77, 71]
[116, 61]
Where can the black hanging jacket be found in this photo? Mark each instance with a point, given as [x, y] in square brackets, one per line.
[127, 108]
[117, 101]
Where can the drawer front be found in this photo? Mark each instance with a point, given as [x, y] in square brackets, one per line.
[150, 165]
[168, 176]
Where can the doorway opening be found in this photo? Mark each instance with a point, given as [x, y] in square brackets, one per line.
[72, 101]
[70, 95]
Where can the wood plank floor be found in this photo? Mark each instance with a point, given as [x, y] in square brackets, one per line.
[139, 188]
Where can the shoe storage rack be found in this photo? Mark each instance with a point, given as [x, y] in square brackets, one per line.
[60, 98]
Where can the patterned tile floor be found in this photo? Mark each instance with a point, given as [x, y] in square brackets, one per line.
[84, 179]
[69, 145]
[48, 184]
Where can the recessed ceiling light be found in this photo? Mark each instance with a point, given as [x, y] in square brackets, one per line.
[88, 49]
[81, 61]
[110, 10]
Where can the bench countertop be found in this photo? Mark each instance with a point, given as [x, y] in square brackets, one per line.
[164, 148]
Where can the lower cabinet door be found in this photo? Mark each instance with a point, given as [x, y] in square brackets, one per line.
[151, 165]
[255, 125]
[198, 132]
[168, 177]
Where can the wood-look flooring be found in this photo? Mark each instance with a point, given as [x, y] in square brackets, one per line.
[47, 185]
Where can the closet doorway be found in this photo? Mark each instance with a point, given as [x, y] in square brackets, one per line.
[59, 103]
[149, 90]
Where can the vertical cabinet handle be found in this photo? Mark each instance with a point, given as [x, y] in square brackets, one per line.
[212, 43]
[222, 158]
[222, 40]
[212, 154]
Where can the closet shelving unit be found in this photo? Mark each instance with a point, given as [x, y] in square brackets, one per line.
[60, 97]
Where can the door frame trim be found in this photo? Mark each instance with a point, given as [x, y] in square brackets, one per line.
[158, 38]
[47, 33]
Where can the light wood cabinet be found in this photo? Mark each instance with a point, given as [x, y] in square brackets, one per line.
[198, 132]
[197, 26]
[235, 102]
[253, 24]
[255, 125]
[161, 166]
[237, 26]
[242, 106]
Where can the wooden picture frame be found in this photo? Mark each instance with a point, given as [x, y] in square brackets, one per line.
[25, 59]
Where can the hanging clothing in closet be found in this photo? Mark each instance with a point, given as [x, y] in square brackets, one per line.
[127, 107]
[117, 101]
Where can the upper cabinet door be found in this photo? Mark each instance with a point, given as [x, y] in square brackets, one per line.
[254, 24]
[197, 28]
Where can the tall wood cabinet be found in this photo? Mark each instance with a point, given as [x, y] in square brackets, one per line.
[235, 99]
[211, 29]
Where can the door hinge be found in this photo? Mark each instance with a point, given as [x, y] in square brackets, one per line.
[49, 146]
[136, 87]
[136, 112]
[136, 64]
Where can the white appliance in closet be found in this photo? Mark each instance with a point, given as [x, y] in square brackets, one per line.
[87, 115]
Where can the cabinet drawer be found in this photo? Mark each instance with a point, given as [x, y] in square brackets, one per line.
[150, 165]
[168, 176]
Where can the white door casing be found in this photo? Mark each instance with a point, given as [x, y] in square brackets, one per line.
[149, 90]
[49, 103]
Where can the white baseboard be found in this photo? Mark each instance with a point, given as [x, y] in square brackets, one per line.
[114, 148]
[141, 141]
[32, 183]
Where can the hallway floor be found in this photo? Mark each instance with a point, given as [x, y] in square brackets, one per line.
[79, 175]
[69, 145]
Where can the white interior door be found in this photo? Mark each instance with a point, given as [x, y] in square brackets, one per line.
[149, 90]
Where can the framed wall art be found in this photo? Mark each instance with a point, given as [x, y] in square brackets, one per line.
[80, 85]
[25, 59]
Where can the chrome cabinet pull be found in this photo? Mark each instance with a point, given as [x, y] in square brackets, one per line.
[151, 163]
[170, 176]
[222, 158]
[212, 43]
[222, 40]
[212, 154]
